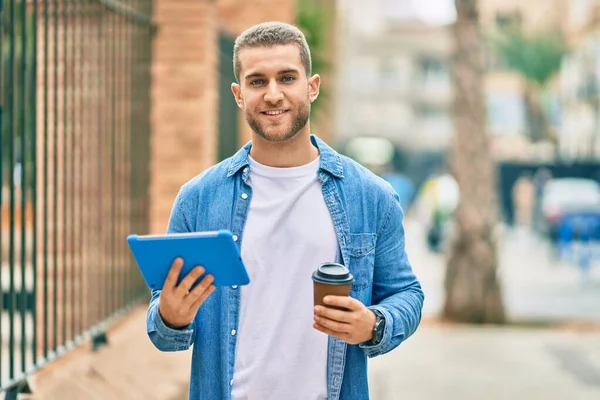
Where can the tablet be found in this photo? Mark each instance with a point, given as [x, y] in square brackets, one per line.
[215, 251]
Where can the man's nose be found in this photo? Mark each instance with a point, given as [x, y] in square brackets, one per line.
[273, 94]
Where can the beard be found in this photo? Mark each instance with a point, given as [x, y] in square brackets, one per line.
[280, 131]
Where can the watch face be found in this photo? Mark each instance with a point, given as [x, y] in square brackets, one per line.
[380, 325]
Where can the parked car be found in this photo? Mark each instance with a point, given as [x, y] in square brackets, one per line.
[567, 196]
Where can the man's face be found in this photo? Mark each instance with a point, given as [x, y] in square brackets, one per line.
[274, 91]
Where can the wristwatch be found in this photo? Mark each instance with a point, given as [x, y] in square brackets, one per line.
[377, 329]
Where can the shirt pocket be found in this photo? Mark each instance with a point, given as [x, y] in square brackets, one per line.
[361, 248]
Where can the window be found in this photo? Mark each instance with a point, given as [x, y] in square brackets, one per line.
[387, 72]
[505, 112]
[434, 120]
[508, 20]
[434, 72]
[363, 74]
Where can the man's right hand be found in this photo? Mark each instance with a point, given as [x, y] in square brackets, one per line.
[177, 305]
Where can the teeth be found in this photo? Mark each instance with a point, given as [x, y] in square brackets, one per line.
[274, 112]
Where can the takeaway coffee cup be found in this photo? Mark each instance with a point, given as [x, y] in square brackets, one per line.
[331, 279]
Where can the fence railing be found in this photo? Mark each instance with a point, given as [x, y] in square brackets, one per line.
[74, 155]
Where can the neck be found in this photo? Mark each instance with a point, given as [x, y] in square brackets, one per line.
[294, 152]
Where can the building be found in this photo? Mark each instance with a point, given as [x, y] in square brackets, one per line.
[393, 79]
[505, 89]
[580, 82]
[394, 72]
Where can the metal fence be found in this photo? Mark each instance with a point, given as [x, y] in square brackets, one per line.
[74, 148]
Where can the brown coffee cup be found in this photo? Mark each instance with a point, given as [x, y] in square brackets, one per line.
[331, 279]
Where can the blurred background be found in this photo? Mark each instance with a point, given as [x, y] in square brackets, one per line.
[483, 115]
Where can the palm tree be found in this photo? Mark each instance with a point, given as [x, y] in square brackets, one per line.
[537, 57]
[315, 19]
[472, 288]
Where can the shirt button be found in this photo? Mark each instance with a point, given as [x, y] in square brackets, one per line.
[235, 238]
[231, 382]
[233, 332]
[244, 196]
[246, 169]
[234, 287]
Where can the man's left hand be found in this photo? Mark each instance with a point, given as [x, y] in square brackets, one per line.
[353, 326]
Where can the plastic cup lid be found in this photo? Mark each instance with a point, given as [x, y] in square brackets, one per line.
[333, 274]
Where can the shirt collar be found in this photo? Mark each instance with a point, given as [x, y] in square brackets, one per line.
[331, 161]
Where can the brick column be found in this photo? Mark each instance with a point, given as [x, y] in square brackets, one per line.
[184, 100]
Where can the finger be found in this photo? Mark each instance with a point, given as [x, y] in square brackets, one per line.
[344, 302]
[188, 281]
[173, 275]
[329, 332]
[335, 326]
[333, 314]
[202, 298]
[200, 288]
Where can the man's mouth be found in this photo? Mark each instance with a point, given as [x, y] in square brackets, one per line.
[274, 113]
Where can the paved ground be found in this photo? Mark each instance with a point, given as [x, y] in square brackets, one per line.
[536, 286]
[465, 363]
[129, 367]
[439, 362]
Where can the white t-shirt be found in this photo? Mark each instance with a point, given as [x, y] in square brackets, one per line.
[288, 234]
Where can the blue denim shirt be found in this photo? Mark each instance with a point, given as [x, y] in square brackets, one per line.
[367, 217]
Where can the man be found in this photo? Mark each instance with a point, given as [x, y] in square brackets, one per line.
[294, 203]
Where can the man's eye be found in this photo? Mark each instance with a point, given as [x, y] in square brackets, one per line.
[257, 82]
[288, 79]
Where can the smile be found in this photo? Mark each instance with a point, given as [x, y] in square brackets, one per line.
[274, 112]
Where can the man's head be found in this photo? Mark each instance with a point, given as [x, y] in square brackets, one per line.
[274, 87]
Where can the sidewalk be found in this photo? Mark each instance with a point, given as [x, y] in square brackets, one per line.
[129, 367]
[536, 287]
[474, 363]
[439, 362]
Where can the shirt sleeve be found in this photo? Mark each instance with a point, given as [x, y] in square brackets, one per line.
[162, 336]
[397, 293]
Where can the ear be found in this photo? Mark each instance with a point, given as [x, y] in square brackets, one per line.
[314, 83]
[237, 94]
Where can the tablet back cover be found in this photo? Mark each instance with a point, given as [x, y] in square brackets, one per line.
[215, 251]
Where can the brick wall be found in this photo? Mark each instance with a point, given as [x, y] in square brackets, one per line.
[184, 100]
[185, 88]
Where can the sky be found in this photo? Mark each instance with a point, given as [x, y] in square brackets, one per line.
[435, 11]
[368, 16]
[432, 11]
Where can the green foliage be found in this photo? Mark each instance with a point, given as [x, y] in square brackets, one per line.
[537, 57]
[314, 19]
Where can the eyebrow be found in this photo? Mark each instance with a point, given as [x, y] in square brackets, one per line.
[282, 72]
[288, 71]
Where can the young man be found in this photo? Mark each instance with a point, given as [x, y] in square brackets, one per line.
[292, 204]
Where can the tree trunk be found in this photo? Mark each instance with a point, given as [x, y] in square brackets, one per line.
[472, 289]
[536, 119]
